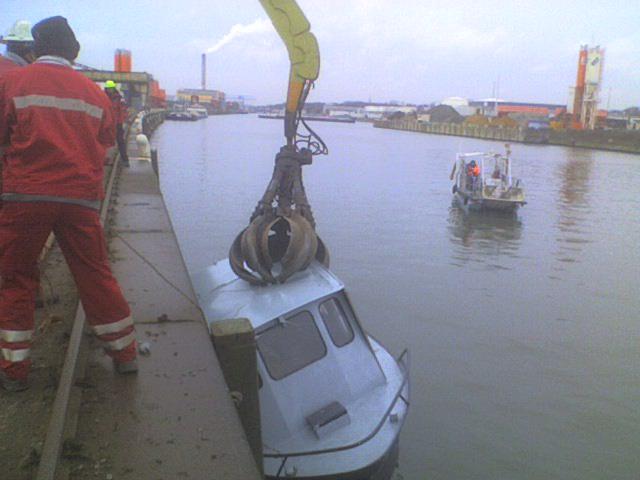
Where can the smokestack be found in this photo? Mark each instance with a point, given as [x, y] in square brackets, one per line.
[204, 71]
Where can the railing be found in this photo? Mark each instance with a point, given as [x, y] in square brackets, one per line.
[151, 120]
[404, 361]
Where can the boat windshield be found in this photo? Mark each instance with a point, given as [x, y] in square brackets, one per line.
[290, 345]
[336, 321]
[498, 170]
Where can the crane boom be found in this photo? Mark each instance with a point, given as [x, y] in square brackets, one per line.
[282, 228]
[304, 55]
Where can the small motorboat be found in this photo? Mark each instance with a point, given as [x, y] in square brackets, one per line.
[197, 111]
[332, 399]
[182, 116]
[483, 181]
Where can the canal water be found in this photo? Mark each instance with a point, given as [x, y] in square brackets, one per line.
[524, 331]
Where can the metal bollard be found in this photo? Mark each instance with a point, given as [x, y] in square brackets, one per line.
[144, 148]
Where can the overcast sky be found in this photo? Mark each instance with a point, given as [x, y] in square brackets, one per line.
[416, 51]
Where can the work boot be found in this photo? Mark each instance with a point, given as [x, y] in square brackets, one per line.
[12, 384]
[124, 368]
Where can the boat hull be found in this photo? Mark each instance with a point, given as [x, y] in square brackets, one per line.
[469, 203]
[381, 469]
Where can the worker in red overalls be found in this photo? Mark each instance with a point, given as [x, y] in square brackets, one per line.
[56, 125]
[119, 112]
[19, 47]
[19, 54]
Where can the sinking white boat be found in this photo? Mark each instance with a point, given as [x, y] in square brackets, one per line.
[491, 187]
[332, 399]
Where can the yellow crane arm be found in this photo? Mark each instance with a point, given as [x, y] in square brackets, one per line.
[304, 54]
[285, 233]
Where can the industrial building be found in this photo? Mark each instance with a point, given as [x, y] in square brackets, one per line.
[460, 105]
[495, 107]
[585, 96]
[139, 89]
[367, 112]
[212, 100]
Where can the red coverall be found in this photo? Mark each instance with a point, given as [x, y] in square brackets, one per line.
[119, 109]
[6, 65]
[56, 125]
[119, 112]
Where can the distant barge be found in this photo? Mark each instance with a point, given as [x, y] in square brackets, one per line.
[322, 118]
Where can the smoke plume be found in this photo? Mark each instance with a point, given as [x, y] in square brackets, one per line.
[262, 25]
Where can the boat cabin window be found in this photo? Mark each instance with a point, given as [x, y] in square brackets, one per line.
[290, 345]
[336, 322]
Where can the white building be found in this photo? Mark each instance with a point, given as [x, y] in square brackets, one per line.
[376, 112]
[460, 104]
[455, 102]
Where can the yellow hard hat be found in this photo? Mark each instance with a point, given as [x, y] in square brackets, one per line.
[110, 84]
[20, 32]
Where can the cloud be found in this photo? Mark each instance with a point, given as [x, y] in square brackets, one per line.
[623, 53]
[472, 39]
[260, 26]
[541, 68]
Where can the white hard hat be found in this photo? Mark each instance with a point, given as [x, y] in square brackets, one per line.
[20, 32]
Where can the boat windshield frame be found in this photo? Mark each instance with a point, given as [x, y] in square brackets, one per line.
[463, 160]
[283, 321]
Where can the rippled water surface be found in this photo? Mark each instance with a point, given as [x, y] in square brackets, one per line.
[524, 330]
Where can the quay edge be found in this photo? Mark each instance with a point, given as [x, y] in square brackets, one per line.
[611, 140]
[175, 417]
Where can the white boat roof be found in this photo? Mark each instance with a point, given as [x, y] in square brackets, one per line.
[223, 295]
[477, 154]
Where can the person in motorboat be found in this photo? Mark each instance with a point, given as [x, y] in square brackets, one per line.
[473, 173]
[496, 172]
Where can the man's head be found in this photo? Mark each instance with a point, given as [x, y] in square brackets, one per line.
[111, 88]
[53, 36]
[19, 40]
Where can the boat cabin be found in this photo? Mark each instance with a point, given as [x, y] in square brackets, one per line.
[324, 383]
[484, 180]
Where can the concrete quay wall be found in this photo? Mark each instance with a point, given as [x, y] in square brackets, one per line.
[457, 129]
[614, 140]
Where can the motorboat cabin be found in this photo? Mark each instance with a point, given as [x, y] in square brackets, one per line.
[332, 399]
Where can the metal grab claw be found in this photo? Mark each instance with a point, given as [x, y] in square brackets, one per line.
[281, 238]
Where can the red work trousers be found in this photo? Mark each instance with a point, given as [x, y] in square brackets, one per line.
[24, 228]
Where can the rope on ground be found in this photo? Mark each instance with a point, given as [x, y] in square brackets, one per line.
[153, 267]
